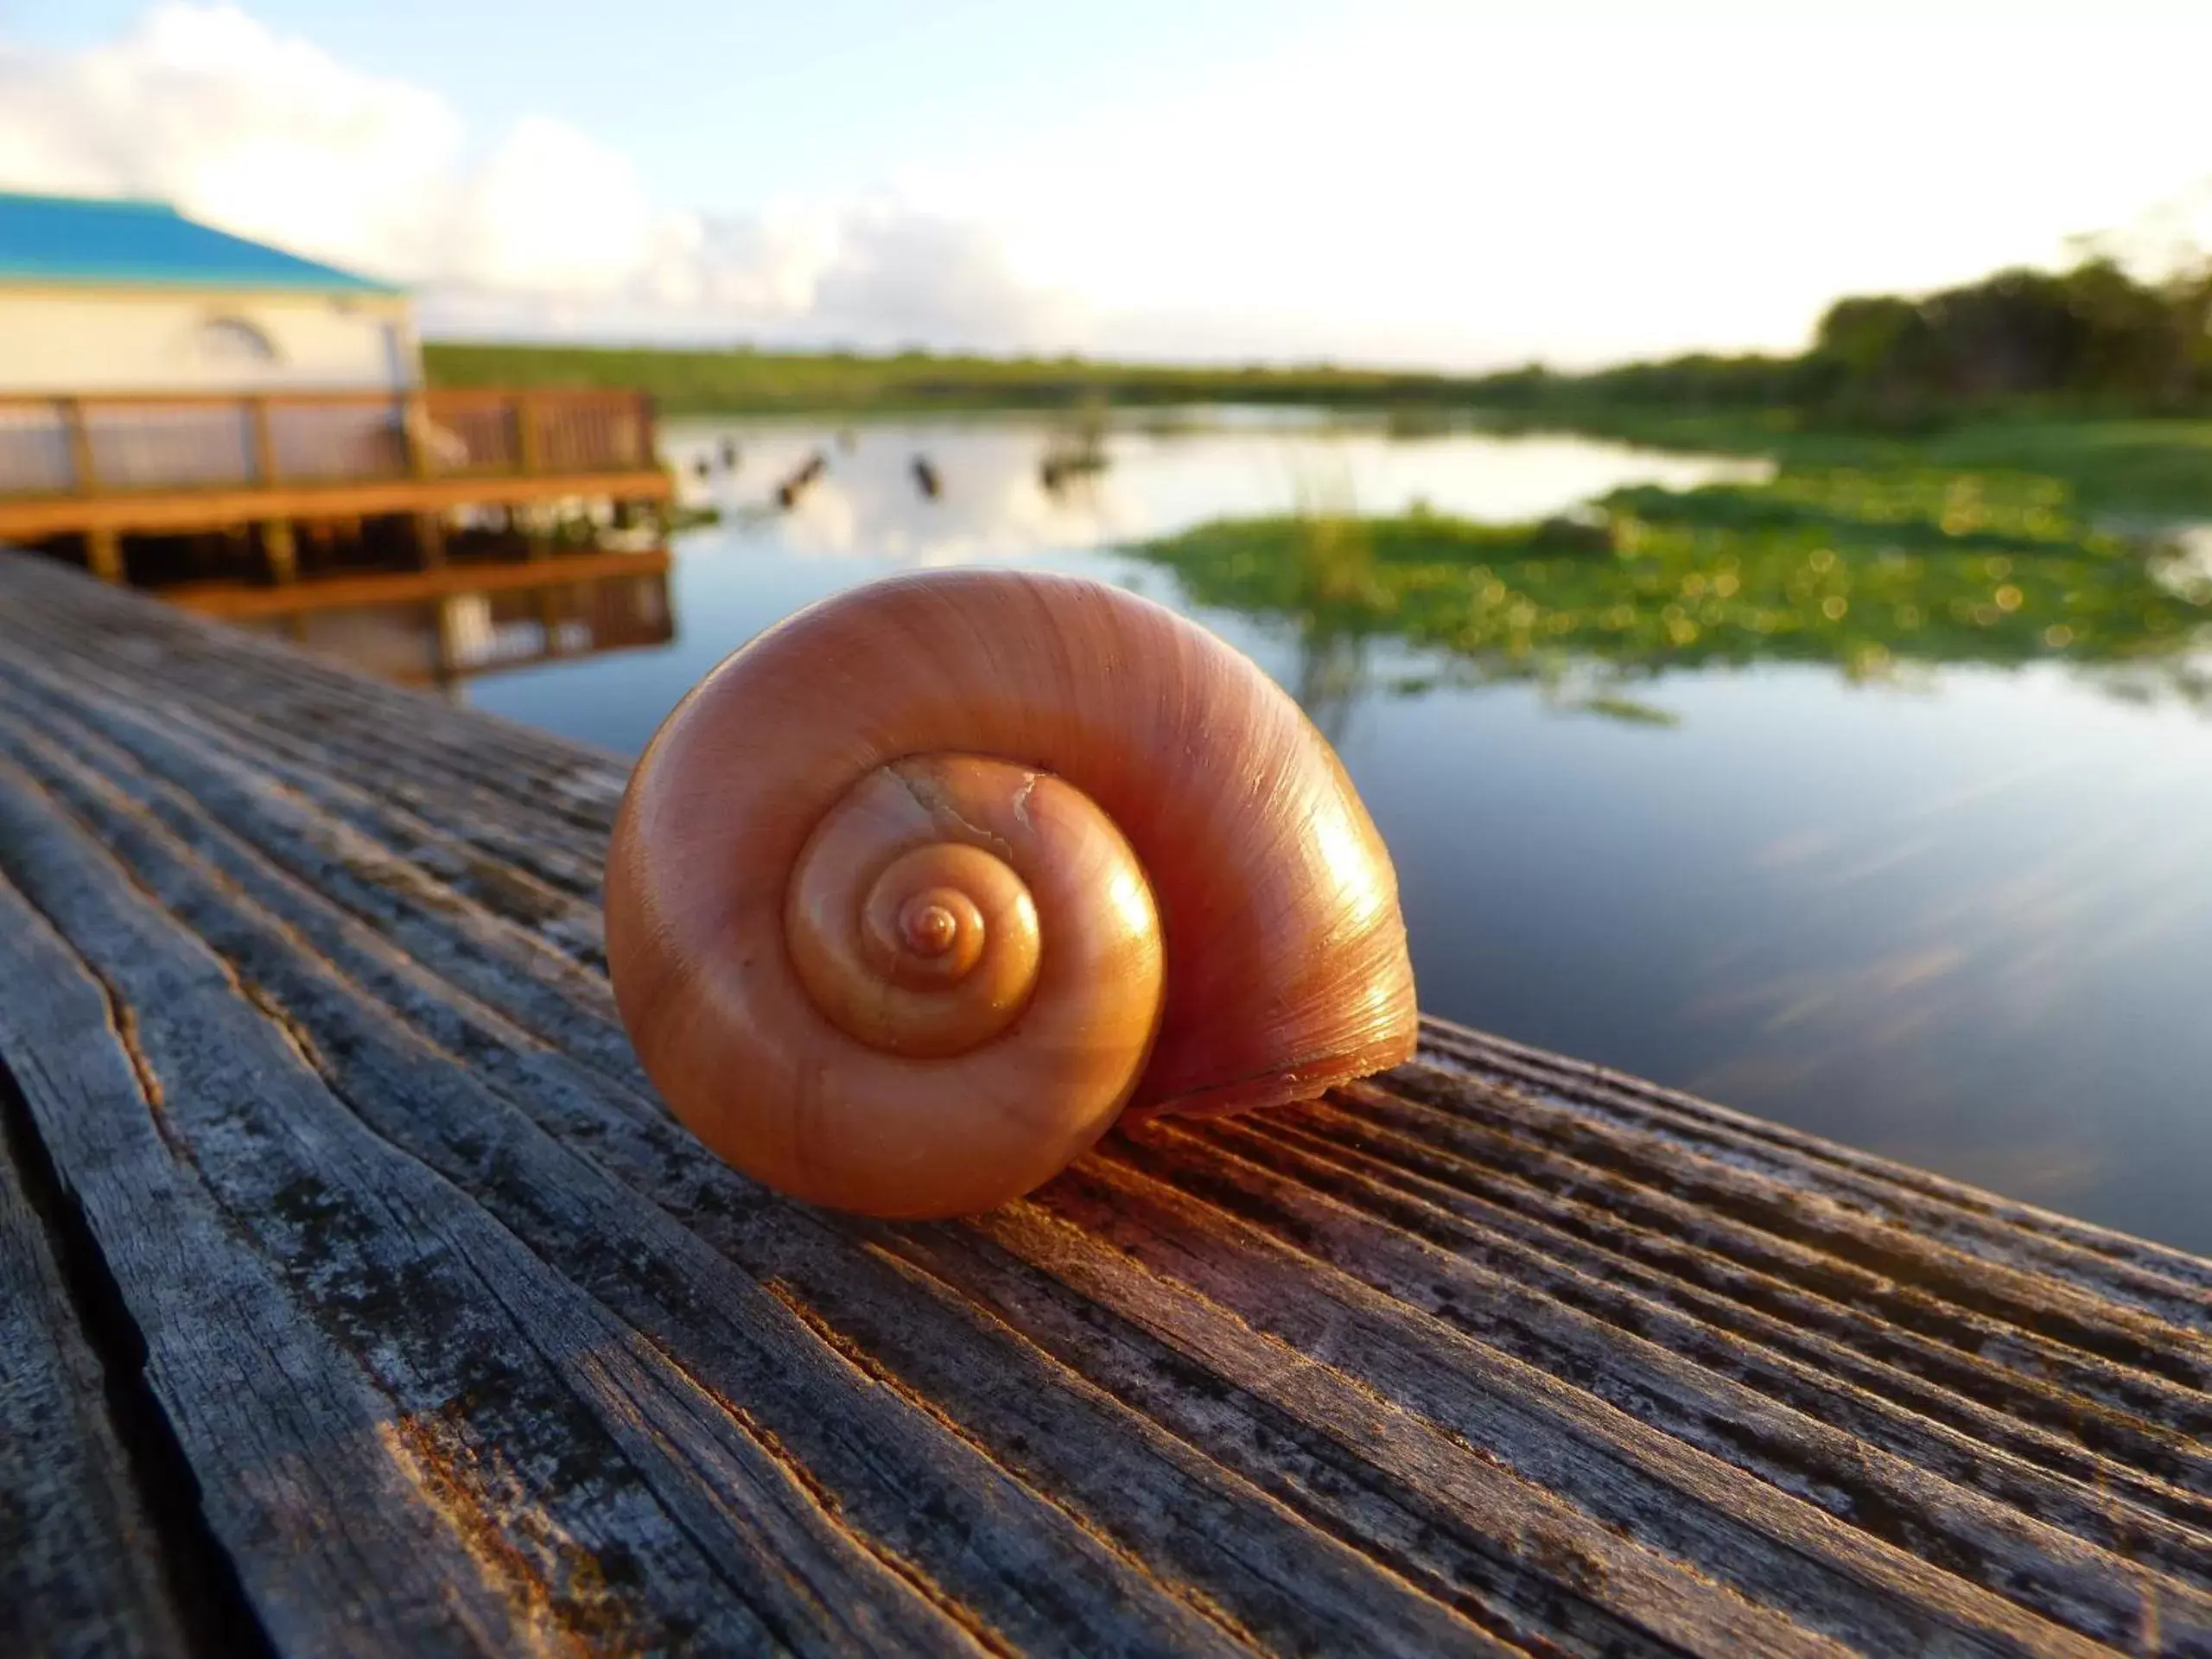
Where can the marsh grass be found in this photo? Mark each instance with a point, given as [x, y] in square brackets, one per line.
[1873, 573]
[2141, 468]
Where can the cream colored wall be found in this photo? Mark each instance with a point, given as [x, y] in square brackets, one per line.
[63, 341]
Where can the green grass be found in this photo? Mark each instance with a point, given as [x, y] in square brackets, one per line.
[1864, 570]
[2129, 465]
[740, 381]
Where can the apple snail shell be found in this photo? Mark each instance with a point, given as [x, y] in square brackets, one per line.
[920, 889]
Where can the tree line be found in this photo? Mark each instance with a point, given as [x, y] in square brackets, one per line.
[2091, 339]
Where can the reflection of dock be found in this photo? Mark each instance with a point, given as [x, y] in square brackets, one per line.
[438, 627]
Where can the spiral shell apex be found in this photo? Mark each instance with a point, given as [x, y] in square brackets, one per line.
[920, 889]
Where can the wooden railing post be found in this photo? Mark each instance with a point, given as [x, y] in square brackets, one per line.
[525, 433]
[415, 432]
[84, 476]
[265, 442]
[103, 542]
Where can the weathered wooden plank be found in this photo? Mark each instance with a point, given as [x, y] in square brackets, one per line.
[220, 674]
[413, 880]
[491, 1361]
[2168, 1282]
[2106, 1351]
[1598, 1258]
[1273, 1575]
[278, 1426]
[1501, 1352]
[80, 1565]
[1707, 1389]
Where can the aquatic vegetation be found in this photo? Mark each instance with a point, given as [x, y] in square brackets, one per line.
[1870, 571]
[1076, 446]
[2138, 467]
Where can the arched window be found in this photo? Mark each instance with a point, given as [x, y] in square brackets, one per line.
[232, 342]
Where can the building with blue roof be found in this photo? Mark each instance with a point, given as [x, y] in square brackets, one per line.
[103, 294]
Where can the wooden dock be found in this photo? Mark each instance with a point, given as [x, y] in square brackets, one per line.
[97, 469]
[358, 1296]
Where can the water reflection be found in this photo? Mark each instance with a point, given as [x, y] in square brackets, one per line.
[516, 620]
[1017, 487]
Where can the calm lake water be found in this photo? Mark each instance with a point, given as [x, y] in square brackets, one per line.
[1957, 912]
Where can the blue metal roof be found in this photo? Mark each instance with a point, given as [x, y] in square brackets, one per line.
[76, 239]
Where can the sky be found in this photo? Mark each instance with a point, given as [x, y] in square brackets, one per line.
[1386, 182]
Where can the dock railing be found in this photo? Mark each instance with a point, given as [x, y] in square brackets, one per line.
[167, 443]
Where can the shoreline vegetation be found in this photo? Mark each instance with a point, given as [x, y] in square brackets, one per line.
[2090, 376]
[743, 381]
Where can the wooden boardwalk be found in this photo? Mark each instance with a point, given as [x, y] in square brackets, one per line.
[358, 1296]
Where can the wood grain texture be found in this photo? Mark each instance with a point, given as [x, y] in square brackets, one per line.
[466, 1345]
[81, 1570]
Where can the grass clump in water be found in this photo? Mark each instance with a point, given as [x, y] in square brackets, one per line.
[1862, 569]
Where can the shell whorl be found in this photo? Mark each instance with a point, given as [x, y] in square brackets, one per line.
[922, 888]
[917, 913]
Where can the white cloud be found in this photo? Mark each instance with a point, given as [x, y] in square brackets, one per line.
[552, 211]
[547, 233]
[1467, 186]
[266, 137]
[918, 278]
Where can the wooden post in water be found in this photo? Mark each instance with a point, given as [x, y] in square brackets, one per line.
[430, 540]
[549, 618]
[445, 646]
[103, 552]
[530, 521]
[281, 549]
